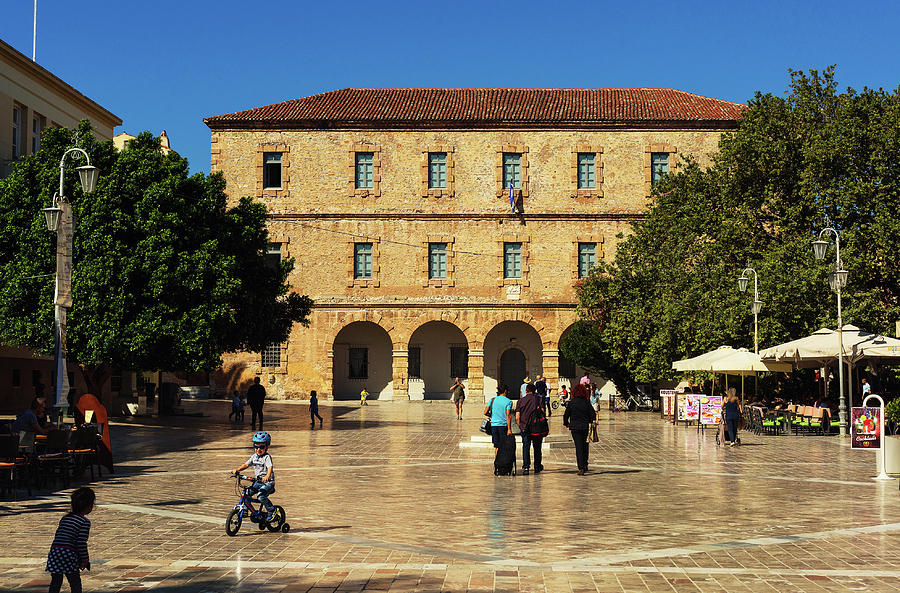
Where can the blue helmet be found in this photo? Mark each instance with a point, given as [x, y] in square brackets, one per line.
[262, 438]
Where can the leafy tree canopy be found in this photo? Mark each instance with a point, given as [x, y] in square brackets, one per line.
[165, 276]
[816, 155]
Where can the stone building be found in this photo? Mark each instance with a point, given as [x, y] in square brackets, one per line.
[440, 231]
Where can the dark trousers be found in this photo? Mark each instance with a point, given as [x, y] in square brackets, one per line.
[545, 403]
[529, 442]
[74, 582]
[731, 428]
[313, 414]
[581, 447]
[256, 411]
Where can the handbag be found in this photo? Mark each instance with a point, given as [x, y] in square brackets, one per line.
[486, 423]
[592, 433]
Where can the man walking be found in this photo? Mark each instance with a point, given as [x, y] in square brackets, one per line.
[314, 409]
[256, 395]
[525, 410]
[540, 390]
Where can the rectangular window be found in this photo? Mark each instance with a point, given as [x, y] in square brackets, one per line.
[362, 260]
[115, 381]
[359, 363]
[17, 377]
[659, 166]
[365, 167]
[512, 260]
[587, 258]
[272, 170]
[271, 356]
[17, 131]
[415, 362]
[587, 172]
[437, 260]
[437, 170]
[459, 361]
[38, 123]
[512, 170]
[273, 255]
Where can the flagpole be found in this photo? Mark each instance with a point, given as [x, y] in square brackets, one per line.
[34, 36]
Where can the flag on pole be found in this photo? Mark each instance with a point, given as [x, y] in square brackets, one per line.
[512, 200]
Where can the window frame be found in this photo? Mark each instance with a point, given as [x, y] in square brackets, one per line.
[427, 191]
[463, 370]
[363, 248]
[524, 279]
[508, 266]
[649, 151]
[367, 177]
[575, 261]
[364, 370]
[267, 170]
[414, 363]
[656, 172]
[17, 140]
[437, 170]
[502, 188]
[40, 122]
[270, 357]
[512, 170]
[437, 248]
[364, 192]
[587, 170]
[597, 190]
[584, 270]
[261, 150]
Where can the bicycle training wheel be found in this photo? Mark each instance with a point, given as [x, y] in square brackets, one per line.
[554, 404]
[278, 520]
[233, 523]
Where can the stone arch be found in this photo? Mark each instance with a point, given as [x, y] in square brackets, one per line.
[343, 319]
[362, 357]
[506, 333]
[437, 351]
[402, 337]
[476, 340]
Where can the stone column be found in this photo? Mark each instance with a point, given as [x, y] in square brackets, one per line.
[476, 372]
[329, 376]
[551, 368]
[400, 372]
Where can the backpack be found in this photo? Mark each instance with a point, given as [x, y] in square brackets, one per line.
[538, 426]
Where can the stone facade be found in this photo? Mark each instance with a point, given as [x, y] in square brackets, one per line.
[407, 323]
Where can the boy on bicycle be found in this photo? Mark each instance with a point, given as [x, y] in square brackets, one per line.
[262, 465]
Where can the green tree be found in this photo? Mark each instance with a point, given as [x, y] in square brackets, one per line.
[796, 162]
[165, 276]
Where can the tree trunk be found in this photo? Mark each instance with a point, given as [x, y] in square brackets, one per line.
[95, 377]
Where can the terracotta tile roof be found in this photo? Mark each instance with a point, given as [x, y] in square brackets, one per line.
[498, 106]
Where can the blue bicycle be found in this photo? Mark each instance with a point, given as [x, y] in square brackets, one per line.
[244, 508]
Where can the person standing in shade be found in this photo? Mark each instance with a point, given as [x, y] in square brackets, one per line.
[578, 418]
[525, 410]
[314, 409]
[585, 380]
[540, 390]
[256, 395]
[866, 388]
[731, 412]
[458, 396]
[525, 383]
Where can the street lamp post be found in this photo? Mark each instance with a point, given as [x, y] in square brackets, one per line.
[59, 221]
[836, 280]
[757, 304]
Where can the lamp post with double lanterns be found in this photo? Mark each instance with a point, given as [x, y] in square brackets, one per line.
[836, 280]
[59, 221]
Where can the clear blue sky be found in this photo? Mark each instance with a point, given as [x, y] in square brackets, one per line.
[168, 64]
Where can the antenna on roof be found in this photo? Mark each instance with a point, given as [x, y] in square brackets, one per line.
[34, 38]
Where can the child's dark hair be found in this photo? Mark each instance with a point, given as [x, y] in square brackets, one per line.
[82, 500]
[313, 393]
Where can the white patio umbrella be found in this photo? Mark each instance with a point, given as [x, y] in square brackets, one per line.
[821, 348]
[702, 362]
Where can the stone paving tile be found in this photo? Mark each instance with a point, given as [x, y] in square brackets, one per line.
[384, 499]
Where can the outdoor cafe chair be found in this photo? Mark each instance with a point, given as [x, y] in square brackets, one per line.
[13, 463]
[83, 449]
[55, 458]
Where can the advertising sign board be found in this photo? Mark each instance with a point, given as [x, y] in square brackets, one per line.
[865, 428]
[711, 409]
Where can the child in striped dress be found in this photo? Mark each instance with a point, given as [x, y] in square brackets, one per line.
[69, 551]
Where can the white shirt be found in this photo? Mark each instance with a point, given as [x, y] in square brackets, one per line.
[261, 465]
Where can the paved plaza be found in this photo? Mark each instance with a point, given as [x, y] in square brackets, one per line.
[384, 499]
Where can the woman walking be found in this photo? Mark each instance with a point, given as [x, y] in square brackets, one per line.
[500, 411]
[578, 418]
[731, 412]
[458, 397]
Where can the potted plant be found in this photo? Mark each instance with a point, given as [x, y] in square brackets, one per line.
[891, 438]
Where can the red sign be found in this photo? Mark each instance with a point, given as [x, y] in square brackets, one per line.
[865, 428]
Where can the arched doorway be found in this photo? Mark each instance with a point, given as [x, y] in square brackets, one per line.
[503, 338]
[512, 369]
[362, 358]
[438, 353]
